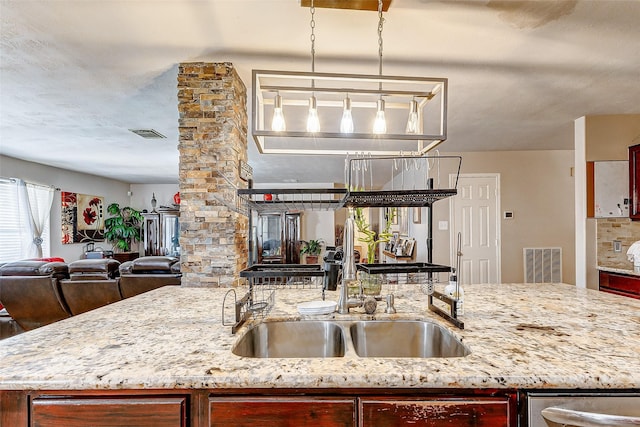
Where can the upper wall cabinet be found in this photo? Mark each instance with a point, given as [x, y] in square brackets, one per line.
[634, 182]
[611, 190]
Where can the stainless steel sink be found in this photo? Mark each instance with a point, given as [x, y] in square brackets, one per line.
[292, 339]
[404, 338]
[333, 338]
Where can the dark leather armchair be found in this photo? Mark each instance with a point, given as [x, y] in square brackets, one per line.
[92, 284]
[30, 291]
[148, 273]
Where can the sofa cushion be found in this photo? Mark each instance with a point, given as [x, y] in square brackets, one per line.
[94, 269]
[35, 268]
[151, 265]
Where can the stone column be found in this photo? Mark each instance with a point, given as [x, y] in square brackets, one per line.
[213, 141]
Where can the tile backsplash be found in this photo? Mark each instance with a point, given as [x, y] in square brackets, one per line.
[620, 229]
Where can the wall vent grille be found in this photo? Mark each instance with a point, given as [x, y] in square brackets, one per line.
[148, 133]
[542, 265]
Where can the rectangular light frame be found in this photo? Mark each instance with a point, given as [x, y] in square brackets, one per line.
[330, 89]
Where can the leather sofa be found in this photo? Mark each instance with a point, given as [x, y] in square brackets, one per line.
[147, 273]
[30, 291]
[36, 293]
[92, 283]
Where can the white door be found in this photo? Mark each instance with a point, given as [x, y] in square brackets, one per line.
[475, 214]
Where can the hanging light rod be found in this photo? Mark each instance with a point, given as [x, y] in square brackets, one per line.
[383, 92]
[347, 4]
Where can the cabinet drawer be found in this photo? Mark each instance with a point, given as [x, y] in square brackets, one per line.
[282, 411]
[620, 284]
[489, 412]
[131, 411]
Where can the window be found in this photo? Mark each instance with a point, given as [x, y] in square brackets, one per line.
[16, 230]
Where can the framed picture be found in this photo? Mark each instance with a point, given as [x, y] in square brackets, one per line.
[409, 244]
[399, 248]
[82, 218]
[417, 215]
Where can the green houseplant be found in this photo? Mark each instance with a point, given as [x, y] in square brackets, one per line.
[123, 227]
[312, 249]
[370, 237]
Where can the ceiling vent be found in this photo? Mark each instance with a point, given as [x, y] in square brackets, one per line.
[148, 133]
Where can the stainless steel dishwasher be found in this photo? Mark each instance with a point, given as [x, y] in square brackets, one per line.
[546, 409]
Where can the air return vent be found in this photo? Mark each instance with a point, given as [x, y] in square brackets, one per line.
[148, 133]
[542, 265]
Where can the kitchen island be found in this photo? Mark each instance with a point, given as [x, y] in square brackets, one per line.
[172, 341]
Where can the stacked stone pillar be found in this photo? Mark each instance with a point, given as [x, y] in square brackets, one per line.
[213, 141]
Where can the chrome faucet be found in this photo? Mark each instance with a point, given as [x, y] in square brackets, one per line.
[348, 268]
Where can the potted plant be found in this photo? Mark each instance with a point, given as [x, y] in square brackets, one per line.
[369, 236]
[123, 227]
[312, 250]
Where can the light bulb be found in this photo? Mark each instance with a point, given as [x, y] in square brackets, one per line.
[277, 123]
[380, 123]
[346, 124]
[412, 123]
[313, 122]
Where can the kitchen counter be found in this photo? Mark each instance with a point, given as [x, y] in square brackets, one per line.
[626, 271]
[520, 336]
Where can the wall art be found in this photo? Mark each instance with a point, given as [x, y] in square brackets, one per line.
[82, 218]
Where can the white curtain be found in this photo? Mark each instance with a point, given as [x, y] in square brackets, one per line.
[34, 204]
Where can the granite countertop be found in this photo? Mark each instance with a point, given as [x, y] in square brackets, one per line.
[520, 336]
[627, 271]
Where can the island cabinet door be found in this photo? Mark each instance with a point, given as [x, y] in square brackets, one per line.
[282, 411]
[132, 411]
[480, 412]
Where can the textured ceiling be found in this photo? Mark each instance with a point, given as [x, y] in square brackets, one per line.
[76, 75]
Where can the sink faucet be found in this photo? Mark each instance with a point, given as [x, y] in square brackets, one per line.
[348, 268]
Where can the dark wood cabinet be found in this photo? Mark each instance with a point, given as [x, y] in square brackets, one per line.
[133, 411]
[282, 411]
[634, 182]
[278, 238]
[620, 284]
[161, 233]
[436, 412]
[258, 407]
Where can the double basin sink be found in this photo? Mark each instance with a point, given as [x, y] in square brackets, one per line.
[333, 338]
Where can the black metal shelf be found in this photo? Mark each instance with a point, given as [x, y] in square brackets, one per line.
[289, 199]
[282, 270]
[412, 267]
[396, 198]
[328, 199]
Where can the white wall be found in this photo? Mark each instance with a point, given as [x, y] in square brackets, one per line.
[111, 190]
[538, 187]
[141, 195]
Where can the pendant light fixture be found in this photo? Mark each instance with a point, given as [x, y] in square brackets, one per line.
[346, 123]
[413, 121]
[313, 121]
[277, 123]
[359, 112]
[380, 123]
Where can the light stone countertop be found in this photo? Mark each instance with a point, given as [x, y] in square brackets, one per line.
[520, 336]
[627, 271]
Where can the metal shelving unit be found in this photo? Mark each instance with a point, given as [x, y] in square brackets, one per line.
[359, 192]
